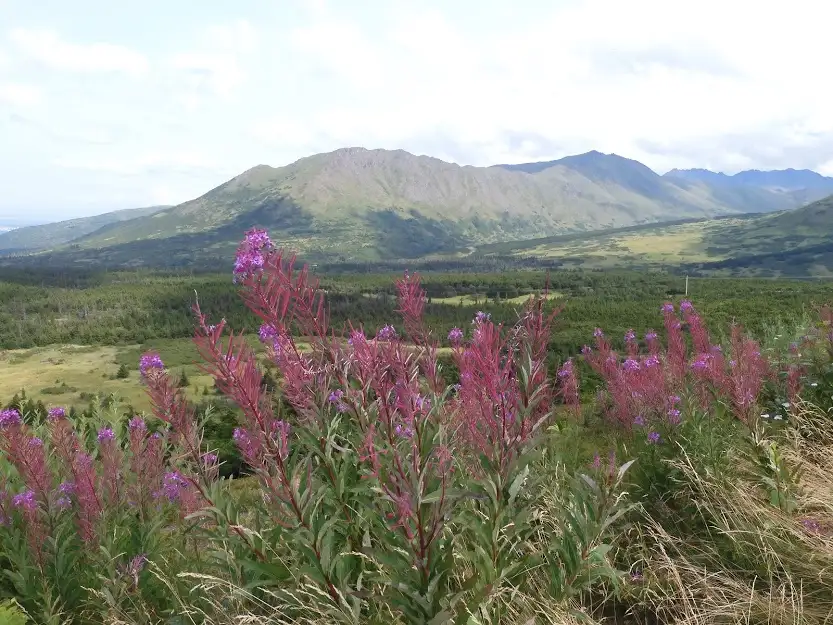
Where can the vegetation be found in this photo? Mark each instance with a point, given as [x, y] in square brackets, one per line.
[412, 474]
[358, 205]
[46, 236]
[795, 243]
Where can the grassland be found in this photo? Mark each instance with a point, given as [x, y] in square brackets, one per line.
[648, 245]
[69, 375]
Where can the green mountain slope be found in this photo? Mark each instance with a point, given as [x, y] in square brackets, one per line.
[789, 243]
[358, 204]
[41, 237]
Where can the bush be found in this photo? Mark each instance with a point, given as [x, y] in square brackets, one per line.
[385, 481]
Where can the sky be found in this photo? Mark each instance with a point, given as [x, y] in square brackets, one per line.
[107, 105]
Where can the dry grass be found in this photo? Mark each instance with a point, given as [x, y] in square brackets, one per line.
[779, 570]
[58, 374]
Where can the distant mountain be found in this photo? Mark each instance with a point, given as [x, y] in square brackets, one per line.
[783, 180]
[41, 237]
[358, 204]
[743, 192]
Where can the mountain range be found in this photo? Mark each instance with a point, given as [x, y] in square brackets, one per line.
[52, 235]
[359, 204]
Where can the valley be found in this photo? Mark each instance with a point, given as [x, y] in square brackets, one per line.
[358, 205]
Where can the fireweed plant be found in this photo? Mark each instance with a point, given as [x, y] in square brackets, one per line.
[83, 505]
[379, 477]
[385, 494]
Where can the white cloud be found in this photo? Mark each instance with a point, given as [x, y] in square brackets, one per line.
[134, 165]
[219, 73]
[724, 85]
[49, 49]
[19, 95]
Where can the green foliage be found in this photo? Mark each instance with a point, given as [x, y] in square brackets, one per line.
[123, 373]
[12, 614]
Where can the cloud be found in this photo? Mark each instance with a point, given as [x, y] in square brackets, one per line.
[217, 73]
[48, 48]
[725, 85]
[19, 95]
[214, 66]
[136, 165]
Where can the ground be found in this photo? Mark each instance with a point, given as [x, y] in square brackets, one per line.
[67, 375]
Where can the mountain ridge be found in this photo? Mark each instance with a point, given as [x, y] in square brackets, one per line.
[360, 204]
[43, 236]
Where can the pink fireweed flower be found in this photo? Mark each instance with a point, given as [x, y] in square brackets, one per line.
[56, 412]
[250, 254]
[654, 438]
[336, 397]
[137, 424]
[357, 338]
[639, 420]
[668, 307]
[455, 336]
[630, 336]
[267, 334]
[650, 336]
[387, 333]
[481, 317]
[9, 418]
[25, 500]
[173, 485]
[674, 416]
[631, 364]
[598, 333]
[686, 306]
[150, 362]
[106, 434]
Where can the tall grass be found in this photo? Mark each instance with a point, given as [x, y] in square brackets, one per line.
[701, 492]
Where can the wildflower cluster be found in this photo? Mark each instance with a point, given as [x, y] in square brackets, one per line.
[644, 386]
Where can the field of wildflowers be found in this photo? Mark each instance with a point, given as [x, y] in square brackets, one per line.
[695, 487]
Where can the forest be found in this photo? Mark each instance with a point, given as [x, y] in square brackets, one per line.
[448, 446]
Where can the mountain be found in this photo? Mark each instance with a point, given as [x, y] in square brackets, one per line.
[778, 180]
[359, 204]
[46, 236]
[749, 191]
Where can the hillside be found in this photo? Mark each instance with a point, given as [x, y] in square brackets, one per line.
[790, 243]
[46, 236]
[783, 180]
[356, 205]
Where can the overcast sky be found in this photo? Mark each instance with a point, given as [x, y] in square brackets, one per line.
[107, 105]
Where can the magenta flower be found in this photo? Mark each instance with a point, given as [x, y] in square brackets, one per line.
[650, 336]
[598, 333]
[250, 259]
[668, 307]
[357, 337]
[481, 317]
[137, 424]
[209, 458]
[267, 334]
[57, 412]
[9, 417]
[455, 336]
[674, 416]
[686, 306]
[566, 370]
[387, 333]
[631, 364]
[25, 500]
[630, 336]
[653, 438]
[150, 361]
[106, 434]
